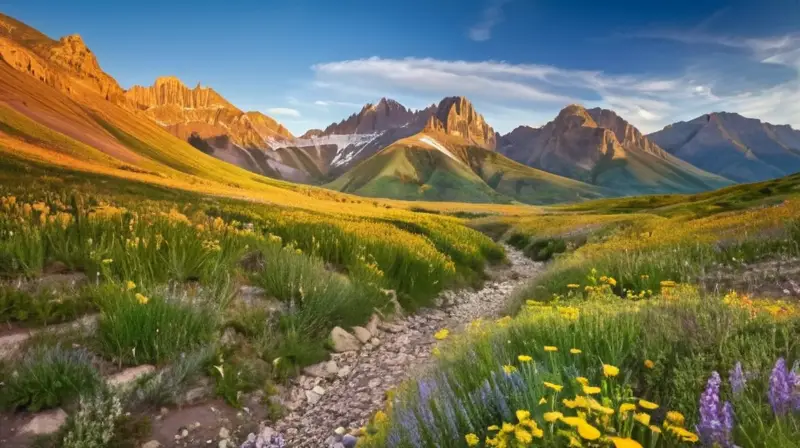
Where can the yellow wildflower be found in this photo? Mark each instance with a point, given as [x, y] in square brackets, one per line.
[610, 371]
[523, 436]
[129, 285]
[655, 429]
[472, 439]
[587, 431]
[442, 334]
[523, 415]
[684, 434]
[574, 442]
[507, 428]
[493, 428]
[626, 407]
[108, 261]
[573, 286]
[524, 358]
[583, 381]
[676, 418]
[436, 352]
[612, 282]
[509, 369]
[551, 417]
[542, 401]
[648, 404]
[553, 386]
[141, 299]
[642, 418]
[572, 421]
[619, 442]
[569, 403]
[591, 390]
[575, 351]
[667, 284]
[550, 348]
[649, 364]
[381, 417]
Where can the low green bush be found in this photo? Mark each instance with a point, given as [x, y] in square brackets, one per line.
[545, 249]
[134, 329]
[48, 377]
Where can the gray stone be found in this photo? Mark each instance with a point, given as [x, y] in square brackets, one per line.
[45, 423]
[127, 376]
[362, 334]
[338, 445]
[224, 433]
[318, 390]
[152, 444]
[340, 431]
[372, 325]
[344, 372]
[349, 441]
[375, 342]
[10, 344]
[322, 370]
[312, 397]
[343, 341]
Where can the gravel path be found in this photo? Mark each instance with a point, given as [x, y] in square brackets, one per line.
[333, 399]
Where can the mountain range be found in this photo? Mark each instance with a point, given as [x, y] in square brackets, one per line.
[58, 106]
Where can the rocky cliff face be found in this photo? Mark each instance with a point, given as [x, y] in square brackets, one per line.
[457, 117]
[66, 64]
[386, 114]
[204, 112]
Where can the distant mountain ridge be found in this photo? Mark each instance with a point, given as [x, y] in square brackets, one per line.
[599, 147]
[739, 148]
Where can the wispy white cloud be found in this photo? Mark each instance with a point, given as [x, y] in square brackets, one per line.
[284, 111]
[327, 103]
[491, 15]
[648, 101]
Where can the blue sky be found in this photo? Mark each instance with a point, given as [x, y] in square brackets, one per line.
[309, 63]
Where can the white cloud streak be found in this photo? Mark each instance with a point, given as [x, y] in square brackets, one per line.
[490, 17]
[284, 111]
[649, 102]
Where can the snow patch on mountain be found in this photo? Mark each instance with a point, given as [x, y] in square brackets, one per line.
[433, 143]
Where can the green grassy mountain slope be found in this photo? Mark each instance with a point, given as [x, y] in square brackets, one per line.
[434, 166]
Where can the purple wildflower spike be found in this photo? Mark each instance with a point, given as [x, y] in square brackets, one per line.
[780, 391]
[738, 379]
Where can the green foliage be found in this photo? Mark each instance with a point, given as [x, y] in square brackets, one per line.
[545, 249]
[94, 423]
[236, 375]
[42, 307]
[165, 388]
[47, 378]
[138, 330]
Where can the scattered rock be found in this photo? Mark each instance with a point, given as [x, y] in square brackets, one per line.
[224, 433]
[362, 334]
[152, 444]
[372, 325]
[359, 388]
[343, 341]
[312, 397]
[127, 376]
[45, 423]
[349, 441]
[11, 343]
[326, 369]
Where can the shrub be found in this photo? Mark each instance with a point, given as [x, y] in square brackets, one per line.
[167, 386]
[134, 329]
[42, 307]
[94, 424]
[49, 377]
[544, 249]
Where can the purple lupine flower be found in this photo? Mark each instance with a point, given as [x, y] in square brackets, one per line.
[794, 384]
[737, 379]
[409, 425]
[501, 404]
[716, 421]
[780, 391]
[450, 418]
[462, 411]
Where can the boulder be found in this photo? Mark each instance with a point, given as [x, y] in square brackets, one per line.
[45, 423]
[343, 341]
[372, 325]
[130, 375]
[362, 334]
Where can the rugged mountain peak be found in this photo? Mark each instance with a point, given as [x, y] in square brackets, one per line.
[460, 119]
[627, 135]
[169, 90]
[381, 116]
[312, 133]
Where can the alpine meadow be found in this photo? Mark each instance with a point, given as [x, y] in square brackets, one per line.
[613, 262]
